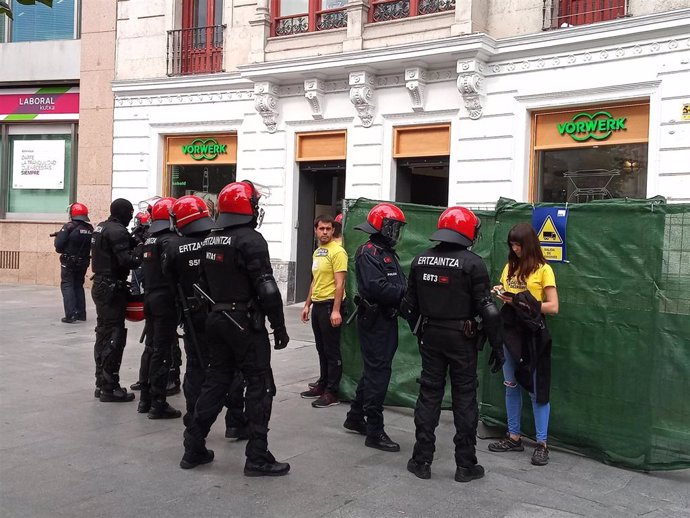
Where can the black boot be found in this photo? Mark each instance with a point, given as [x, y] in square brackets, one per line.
[381, 442]
[173, 387]
[267, 466]
[144, 401]
[119, 395]
[195, 452]
[420, 469]
[356, 426]
[467, 474]
[136, 386]
[237, 432]
[160, 409]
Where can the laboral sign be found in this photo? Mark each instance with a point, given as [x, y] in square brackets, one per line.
[48, 103]
[38, 164]
[597, 126]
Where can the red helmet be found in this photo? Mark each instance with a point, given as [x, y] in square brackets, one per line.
[79, 212]
[161, 215]
[385, 219]
[339, 218]
[238, 204]
[142, 218]
[457, 225]
[190, 214]
[135, 308]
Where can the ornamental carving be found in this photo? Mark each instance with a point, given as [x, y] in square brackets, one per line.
[471, 86]
[415, 83]
[314, 94]
[266, 103]
[362, 96]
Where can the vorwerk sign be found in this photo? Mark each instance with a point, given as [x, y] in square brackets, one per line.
[585, 126]
[204, 149]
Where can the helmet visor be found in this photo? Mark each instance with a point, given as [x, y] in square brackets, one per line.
[393, 230]
[147, 203]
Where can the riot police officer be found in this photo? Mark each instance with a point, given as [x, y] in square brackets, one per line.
[140, 232]
[381, 286]
[180, 261]
[236, 271]
[447, 288]
[113, 255]
[73, 243]
[161, 316]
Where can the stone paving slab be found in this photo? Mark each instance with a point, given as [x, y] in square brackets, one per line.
[65, 454]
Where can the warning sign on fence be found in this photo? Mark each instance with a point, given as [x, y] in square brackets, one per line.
[550, 223]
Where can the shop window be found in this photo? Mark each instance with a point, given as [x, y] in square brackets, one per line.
[385, 10]
[593, 173]
[205, 181]
[39, 22]
[423, 181]
[300, 16]
[39, 171]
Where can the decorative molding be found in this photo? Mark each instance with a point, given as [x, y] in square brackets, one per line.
[266, 103]
[187, 98]
[415, 78]
[314, 94]
[362, 96]
[471, 86]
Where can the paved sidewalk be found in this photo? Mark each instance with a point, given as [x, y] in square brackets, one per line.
[64, 454]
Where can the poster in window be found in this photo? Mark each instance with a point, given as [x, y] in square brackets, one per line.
[38, 164]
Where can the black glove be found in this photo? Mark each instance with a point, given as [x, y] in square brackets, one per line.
[496, 360]
[281, 338]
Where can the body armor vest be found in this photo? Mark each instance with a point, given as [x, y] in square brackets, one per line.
[151, 262]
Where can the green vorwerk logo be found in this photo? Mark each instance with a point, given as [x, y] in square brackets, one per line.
[207, 149]
[585, 126]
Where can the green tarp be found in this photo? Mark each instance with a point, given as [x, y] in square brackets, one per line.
[620, 388]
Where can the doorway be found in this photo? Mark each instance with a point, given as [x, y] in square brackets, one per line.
[423, 181]
[321, 191]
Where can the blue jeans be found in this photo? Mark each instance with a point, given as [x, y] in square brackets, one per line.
[541, 411]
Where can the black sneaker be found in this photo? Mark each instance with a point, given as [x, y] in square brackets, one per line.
[419, 469]
[381, 442]
[356, 426]
[192, 459]
[119, 395]
[506, 444]
[463, 474]
[68, 320]
[265, 468]
[540, 457]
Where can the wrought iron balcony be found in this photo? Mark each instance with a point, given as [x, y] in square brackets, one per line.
[567, 13]
[384, 10]
[312, 21]
[198, 50]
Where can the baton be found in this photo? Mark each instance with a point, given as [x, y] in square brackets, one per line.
[416, 326]
[208, 298]
[352, 316]
[189, 329]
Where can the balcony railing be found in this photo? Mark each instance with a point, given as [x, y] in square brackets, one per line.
[385, 10]
[312, 21]
[567, 13]
[198, 50]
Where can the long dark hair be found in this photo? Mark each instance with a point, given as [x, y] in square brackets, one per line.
[532, 256]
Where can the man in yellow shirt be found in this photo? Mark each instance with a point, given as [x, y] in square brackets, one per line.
[325, 299]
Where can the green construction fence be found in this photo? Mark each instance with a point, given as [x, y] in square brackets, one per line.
[620, 388]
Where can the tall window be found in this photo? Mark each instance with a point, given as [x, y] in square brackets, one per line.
[39, 23]
[197, 48]
[298, 16]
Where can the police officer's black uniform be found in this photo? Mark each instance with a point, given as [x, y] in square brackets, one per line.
[161, 320]
[112, 257]
[236, 271]
[448, 287]
[73, 243]
[381, 286]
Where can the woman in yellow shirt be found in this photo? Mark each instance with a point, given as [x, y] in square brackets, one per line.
[526, 270]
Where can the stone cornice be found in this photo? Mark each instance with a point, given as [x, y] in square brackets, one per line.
[175, 85]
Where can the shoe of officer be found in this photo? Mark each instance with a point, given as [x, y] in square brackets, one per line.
[172, 388]
[195, 452]
[136, 386]
[419, 469]
[144, 402]
[118, 395]
[161, 409]
[356, 426]
[68, 320]
[382, 442]
[465, 474]
[97, 392]
[237, 432]
[268, 467]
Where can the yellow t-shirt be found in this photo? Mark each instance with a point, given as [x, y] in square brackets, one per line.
[536, 282]
[326, 261]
